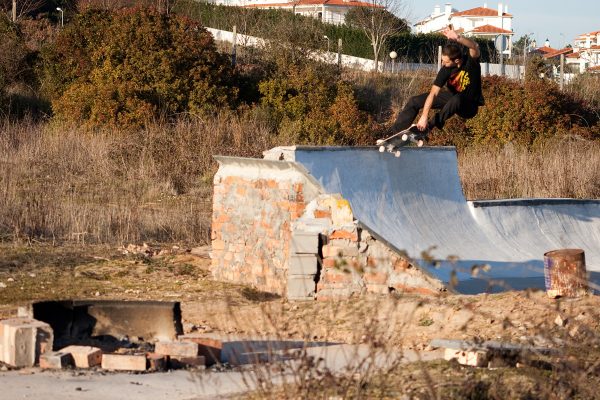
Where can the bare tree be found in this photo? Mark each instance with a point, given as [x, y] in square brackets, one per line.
[378, 20]
[21, 7]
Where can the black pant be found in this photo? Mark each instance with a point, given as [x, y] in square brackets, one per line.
[449, 104]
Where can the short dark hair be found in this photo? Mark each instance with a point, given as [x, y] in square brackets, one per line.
[452, 50]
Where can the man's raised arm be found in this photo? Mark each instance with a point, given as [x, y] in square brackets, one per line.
[471, 44]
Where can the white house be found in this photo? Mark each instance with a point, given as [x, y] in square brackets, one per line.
[586, 52]
[330, 11]
[479, 22]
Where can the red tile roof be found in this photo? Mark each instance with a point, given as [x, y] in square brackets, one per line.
[490, 29]
[558, 52]
[596, 68]
[597, 47]
[583, 35]
[479, 12]
[573, 55]
[350, 3]
[546, 50]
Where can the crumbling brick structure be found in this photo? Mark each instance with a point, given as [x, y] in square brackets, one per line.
[274, 227]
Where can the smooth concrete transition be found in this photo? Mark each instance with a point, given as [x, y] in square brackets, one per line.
[416, 204]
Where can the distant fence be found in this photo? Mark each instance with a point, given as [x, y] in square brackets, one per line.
[487, 69]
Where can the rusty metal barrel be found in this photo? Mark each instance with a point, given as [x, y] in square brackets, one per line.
[565, 273]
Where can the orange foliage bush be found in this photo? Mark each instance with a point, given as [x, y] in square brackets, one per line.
[521, 113]
[129, 67]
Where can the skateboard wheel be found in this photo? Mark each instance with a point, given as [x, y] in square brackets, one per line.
[381, 149]
[397, 153]
[420, 143]
[405, 137]
[379, 141]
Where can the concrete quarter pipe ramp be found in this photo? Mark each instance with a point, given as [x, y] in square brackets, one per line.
[416, 204]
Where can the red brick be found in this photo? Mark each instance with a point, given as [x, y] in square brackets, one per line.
[177, 349]
[322, 214]
[208, 347]
[342, 234]
[333, 276]
[84, 356]
[56, 360]
[417, 290]
[218, 245]
[378, 278]
[329, 262]
[124, 362]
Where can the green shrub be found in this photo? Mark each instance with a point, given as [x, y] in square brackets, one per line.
[128, 67]
[311, 105]
[13, 53]
[525, 114]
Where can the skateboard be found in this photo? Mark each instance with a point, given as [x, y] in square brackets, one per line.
[392, 143]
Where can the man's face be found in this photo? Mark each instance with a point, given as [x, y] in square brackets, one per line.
[448, 63]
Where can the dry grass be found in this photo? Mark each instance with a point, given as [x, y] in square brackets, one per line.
[61, 184]
[556, 169]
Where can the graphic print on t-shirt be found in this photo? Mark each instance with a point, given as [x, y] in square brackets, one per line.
[459, 81]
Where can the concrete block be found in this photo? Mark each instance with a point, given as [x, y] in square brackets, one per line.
[56, 360]
[304, 243]
[176, 362]
[84, 356]
[124, 362]
[473, 358]
[303, 264]
[301, 287]
[177, 349]
[23, 340]
[208, 347]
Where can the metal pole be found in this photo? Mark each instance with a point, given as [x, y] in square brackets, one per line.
[234, 46]
[339, 55]
[562, 71]
[525, 59]
[439, 57]
[502, 71]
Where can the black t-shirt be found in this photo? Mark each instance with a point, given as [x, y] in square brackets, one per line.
[465, 80]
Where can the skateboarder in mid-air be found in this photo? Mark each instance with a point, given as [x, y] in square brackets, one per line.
[462, 75]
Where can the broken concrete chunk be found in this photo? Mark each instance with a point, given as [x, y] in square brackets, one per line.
[560, 320]
[473, 358]
[23, 340]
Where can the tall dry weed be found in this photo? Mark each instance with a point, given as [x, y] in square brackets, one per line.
[60, 183]
[556, 169]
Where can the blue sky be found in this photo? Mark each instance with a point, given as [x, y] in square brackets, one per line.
[560, 21]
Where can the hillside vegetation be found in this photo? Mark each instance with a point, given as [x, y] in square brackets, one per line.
[110, 123]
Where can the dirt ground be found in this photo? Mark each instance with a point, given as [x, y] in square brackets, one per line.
[43, 272]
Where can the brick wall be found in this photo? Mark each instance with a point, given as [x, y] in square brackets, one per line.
[260, 205]
[254, 205]
[354, 262]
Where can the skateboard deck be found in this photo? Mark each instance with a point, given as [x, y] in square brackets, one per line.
[393, 143]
